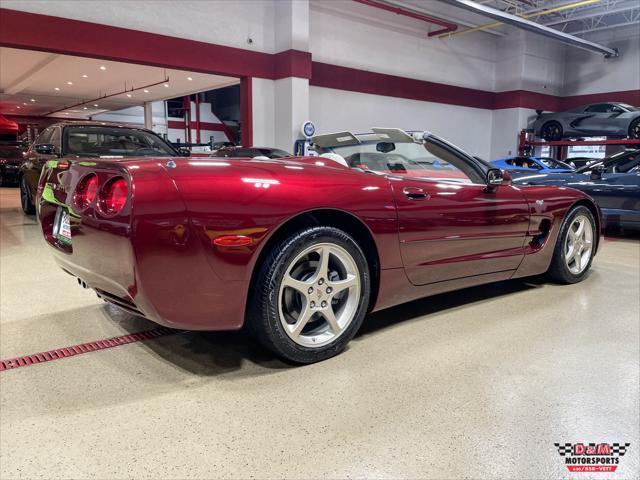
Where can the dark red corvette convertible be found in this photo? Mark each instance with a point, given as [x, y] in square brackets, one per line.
[300, 249]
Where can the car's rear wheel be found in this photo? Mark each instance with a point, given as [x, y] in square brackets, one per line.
[25, 198]
[551, 131]
[575, 247]
[634, 129]
[311, 295]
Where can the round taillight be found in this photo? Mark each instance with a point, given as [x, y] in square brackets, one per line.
[86, 191]
[114, 196]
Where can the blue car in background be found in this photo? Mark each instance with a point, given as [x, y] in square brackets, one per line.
[532, 165]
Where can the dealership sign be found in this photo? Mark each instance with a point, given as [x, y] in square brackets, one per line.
[592, 457]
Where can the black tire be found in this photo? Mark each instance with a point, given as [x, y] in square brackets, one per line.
[25, 198]
[634, 129]
[551, 131]
[263, 312]
[559, 270]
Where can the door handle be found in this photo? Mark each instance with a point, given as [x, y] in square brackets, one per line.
[415, 193]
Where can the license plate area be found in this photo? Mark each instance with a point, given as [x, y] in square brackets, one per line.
[62, 226]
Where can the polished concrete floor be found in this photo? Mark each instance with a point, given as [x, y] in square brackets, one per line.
[474, 384]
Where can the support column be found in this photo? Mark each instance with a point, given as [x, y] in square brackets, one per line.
[291, 94]
[148, 115]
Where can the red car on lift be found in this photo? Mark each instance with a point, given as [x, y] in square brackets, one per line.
[300, 249]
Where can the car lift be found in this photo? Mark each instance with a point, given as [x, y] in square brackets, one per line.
[527, 143]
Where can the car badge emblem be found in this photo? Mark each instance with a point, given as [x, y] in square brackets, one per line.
[170, 164]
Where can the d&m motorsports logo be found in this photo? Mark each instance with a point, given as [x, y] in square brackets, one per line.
[592, 457]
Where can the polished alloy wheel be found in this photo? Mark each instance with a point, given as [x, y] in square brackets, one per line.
[578, 244]
[319, 295]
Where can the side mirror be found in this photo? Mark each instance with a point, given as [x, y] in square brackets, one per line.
[497, 178]
[46, 149]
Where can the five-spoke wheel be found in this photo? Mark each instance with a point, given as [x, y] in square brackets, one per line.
[311, 295]
[319, 294]
[575, 246]
[578, 244]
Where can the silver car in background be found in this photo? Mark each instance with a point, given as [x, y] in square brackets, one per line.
[594, 120]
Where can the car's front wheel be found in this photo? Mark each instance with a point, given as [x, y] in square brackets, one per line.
[311, 295]
[25, 198]
[575, 247]
[551, 131]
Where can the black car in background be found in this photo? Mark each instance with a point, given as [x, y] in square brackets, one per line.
[613, 182]
[85, 139]
[10, 161]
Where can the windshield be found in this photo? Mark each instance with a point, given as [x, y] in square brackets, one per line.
[554, 164]
[434, 160]
[89, 141]
[629, 107]
[622, 162]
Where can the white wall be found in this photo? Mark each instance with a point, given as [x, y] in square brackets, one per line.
[352, 35]
[228, 23]
[588, 73]
[335, 110]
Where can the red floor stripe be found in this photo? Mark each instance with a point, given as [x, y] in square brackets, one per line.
[58, 353]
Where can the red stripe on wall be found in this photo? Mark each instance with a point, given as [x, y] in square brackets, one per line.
[362, 81]
[74, 37]
[354, 80]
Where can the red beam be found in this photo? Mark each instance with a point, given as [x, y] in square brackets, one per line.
[447, 26]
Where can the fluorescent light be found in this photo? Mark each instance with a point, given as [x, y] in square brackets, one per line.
[85, 76]
[57, 89]
[69, 83]
[166, 85]
[95, 104]
[189, 78]
[84, 108]
[102, 67]
[24, 103]
[146, 91]
[33, 100]
[129, 95]
[18, 106]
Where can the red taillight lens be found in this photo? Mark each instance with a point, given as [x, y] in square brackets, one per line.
[86, 191]
[114, 196]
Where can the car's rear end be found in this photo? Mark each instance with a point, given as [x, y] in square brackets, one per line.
[121, 227]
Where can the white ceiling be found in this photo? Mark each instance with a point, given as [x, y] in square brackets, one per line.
[36, 83]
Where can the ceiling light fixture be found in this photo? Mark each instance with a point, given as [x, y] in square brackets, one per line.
[18, 106]
[85, 76]
[166, 85]
[129, 95]
[24, 103]
[84, 108]
[189, 78]
[69, 83]
[57, 89]
[32, 100]
[102, 67]
[95, 104]
[146, 91]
